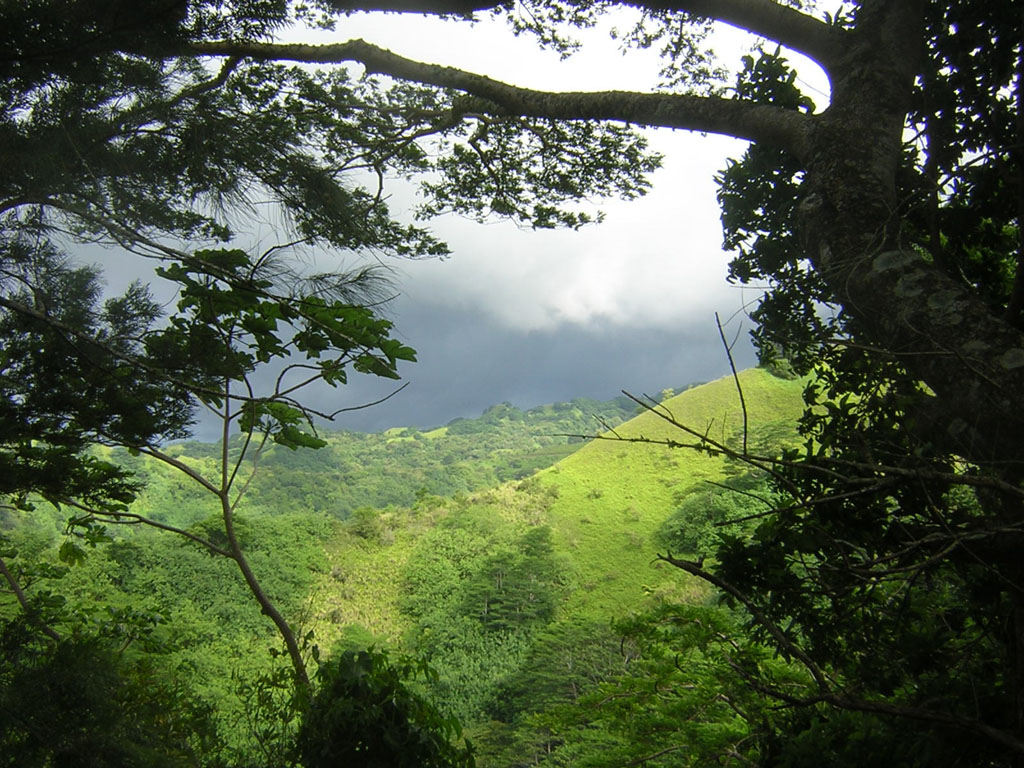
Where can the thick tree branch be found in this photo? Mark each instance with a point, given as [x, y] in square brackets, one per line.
[851, 226]
[427, 7]
[764, 18]
[973, 360]
[744, 120]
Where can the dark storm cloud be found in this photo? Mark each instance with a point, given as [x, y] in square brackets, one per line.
[468, 363]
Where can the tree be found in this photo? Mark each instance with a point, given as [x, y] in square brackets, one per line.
[365, 714]
[849, 158]
[113, 134]
[908, 489]
[79, 703]
[900, 206]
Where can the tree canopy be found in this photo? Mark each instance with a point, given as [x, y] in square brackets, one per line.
[887, 227]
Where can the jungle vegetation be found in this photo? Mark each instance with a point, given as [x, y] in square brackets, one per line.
[872, 609]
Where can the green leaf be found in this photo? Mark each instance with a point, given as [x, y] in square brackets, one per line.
[71, 553]
[294, 438]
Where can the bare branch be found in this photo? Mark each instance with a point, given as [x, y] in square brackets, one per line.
[735, 378]
[131, 518]
[826, 465]
[659, 753]
[181, 466]
[764, 18]
[782, 640]
[362, 406]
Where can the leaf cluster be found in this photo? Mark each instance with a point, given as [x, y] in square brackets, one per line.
[80, 703]
[70, 378]
[878, 567]
[759, 195]
[365, 713]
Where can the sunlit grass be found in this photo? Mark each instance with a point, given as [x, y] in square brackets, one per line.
[603, 503]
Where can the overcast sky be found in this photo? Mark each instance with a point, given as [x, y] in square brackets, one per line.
[532, 317]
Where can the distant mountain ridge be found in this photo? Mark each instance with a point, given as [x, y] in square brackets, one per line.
[357, 469]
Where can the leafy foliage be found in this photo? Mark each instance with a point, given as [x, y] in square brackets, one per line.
[678, 697]
[70, 378]
[515, 675]
[759, 195]
[78, 703]
[707, 515]
[863, 571]
[365, 713]
[476, 589]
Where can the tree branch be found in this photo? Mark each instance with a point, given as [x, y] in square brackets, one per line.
[223, 494]
[784, 643]
[827, 694]
[732, 117]
[765, 18]
[181, 466]
[131, 518]
[26, 606]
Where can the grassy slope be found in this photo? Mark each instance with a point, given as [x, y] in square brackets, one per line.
[608, 499]
[364, 585]
[613, 496]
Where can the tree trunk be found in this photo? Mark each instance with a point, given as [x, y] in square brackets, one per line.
[944, 335]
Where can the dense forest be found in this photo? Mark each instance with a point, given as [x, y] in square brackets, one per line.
[394, 468]
[823, 558]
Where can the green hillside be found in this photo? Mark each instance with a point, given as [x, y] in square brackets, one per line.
[500, 589]
[612, 496]
[603, 504]
[498, 549]
[357, 469]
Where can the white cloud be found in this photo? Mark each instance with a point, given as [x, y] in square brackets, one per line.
[655, 262]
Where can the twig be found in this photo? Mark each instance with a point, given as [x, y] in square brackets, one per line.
[132, 518]
[735, 378]
[26, 606]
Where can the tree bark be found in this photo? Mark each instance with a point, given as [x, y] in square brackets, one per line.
[733, 117]
[942, 333]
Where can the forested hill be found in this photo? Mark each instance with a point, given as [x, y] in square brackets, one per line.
[358, 469]
[850, 592]
[603, 502]
[510, 593]
[444, 544]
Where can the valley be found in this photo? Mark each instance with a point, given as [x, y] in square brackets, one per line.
[505, 551]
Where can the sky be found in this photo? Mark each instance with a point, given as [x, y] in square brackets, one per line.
[533, 317]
